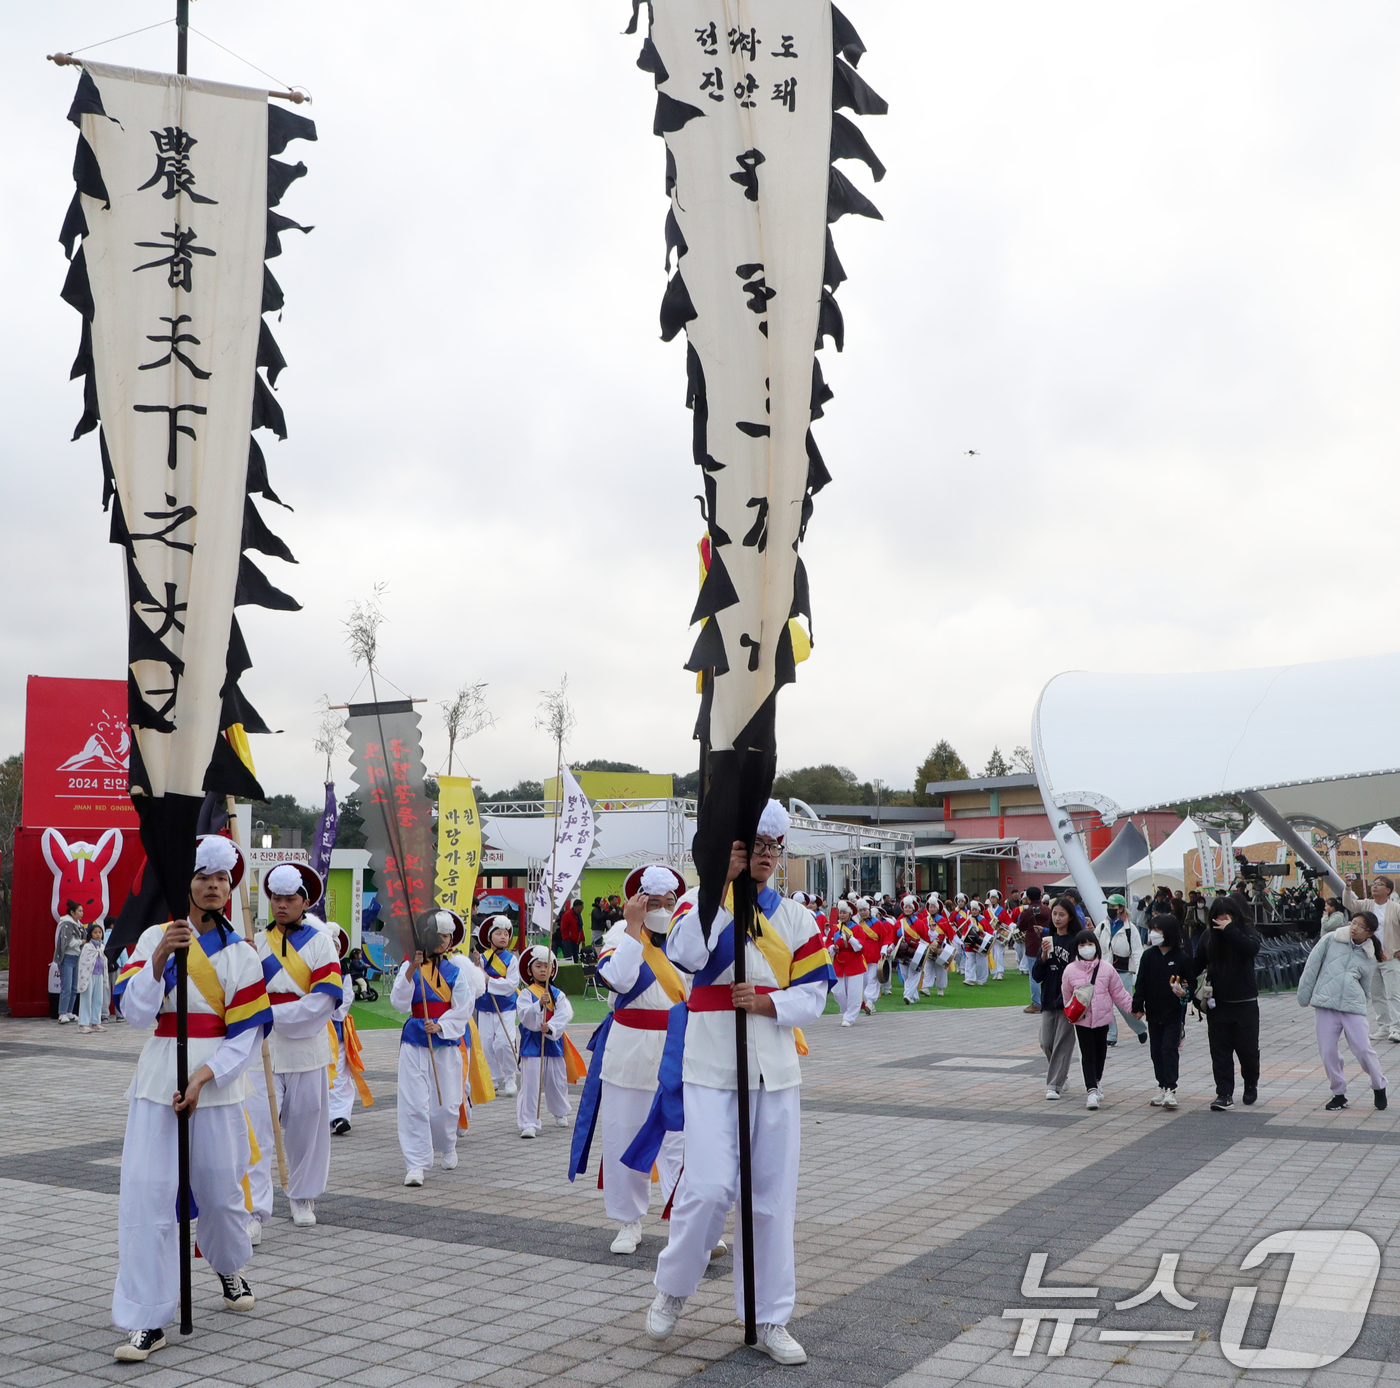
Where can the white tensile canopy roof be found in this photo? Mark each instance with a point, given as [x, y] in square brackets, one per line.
[1382, 833]
[1319, 743]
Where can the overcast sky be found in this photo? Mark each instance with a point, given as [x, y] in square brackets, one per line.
[1143, 259]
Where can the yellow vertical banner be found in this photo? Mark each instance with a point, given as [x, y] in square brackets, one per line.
[459, 845]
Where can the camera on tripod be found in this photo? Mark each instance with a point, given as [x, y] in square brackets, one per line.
[1259, 872]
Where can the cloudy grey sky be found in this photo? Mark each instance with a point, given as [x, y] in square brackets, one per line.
[1143, 259]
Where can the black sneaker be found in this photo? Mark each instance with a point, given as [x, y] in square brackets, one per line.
[340, 1126]
[140, 1345]
[1339, 1101]
[238, 1295]
[1379, 1096]
[1221, 1102]
[1142, 1038]
[1251, 1094]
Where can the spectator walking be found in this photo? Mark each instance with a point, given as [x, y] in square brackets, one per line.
[598, 922]
[92, 982]
[1033, 922]
[1226, 956]
[1385, 983]
[1333, 917]
[1099, 987]
[1164, 979]
[571, 930]
[68, 945]
[1336, 984]
[1121, 945]
[1056, 1032]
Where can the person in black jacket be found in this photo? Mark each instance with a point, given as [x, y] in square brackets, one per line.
[1056, 1034]
[1164, 979]
[1226, 953]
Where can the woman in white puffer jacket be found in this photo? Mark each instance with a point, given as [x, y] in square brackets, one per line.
[1336, 984]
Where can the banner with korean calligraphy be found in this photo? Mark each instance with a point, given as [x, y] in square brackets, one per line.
[459, 845]
[172, 221]
[571, 849]
[386, 756]
[323, 845]
[747, 98]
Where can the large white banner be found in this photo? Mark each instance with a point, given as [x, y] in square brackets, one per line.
[572, 847]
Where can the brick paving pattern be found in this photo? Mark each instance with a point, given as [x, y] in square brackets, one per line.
[929, 1177]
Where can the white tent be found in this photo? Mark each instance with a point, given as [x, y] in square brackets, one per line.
[1256, 834]
[1166, 863]
[1382, 834]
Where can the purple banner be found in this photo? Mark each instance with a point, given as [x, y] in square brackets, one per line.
[323, 843]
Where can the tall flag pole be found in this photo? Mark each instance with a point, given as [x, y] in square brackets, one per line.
[750, 112]
[170, 224]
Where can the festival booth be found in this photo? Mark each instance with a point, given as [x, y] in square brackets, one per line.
[1113, 867]
[1311, 746]
[1164, 866]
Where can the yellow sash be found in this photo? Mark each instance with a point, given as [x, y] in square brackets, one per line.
[296, 967]
[254, 1157]
[436, 982]
[355, 1059]
[202, 975]
[479, 1085]
[666, 975]
[774, 949]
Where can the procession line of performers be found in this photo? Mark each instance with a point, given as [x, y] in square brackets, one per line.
[869, 946]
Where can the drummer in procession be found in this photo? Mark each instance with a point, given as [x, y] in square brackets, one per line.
[228, 1016]
[872, 942]
[643, 985]
[912, 946]
[848, 961]
[437, 993]
[301, 968]
[942, 944]
[496, 1007]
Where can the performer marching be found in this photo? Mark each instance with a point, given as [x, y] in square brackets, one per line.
[228, 1016]
[438, 994]
[495, 1008]
[344, 1041]
[621, 1083]
[912, 947]
[301, 968]
[544, 1012]
[848, 959]
[872, 942]
[789, 975]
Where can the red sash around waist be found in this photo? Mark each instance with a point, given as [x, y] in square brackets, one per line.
[642, 1018]
[276, 999]
[202, 1025]
[717, 997]
[436, 1007]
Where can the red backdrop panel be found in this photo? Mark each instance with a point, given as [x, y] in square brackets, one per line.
[76, 745]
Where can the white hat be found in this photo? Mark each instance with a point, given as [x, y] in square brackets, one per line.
[214, 854]
[846, 907]
[659, 880]
[992, 892]
[801, 898]
[285, 880]
[910, 900]
[934, 900]
[775, 821]
[976, 903]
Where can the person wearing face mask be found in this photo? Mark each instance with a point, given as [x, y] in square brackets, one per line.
[1098, 984]
[1336, 984]
[1121, 945]
[622, 1075]
[1226, 955]
[1164, 978]
[1056, 1031]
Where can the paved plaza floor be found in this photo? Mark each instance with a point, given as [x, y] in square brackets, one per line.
[933, 1174]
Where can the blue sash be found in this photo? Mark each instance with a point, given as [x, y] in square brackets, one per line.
[530, 1039]
[413, 1033]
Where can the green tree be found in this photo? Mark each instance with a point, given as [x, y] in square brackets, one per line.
[941, 764]
[1022, 760]
[600, 765]
[823, 785]
[522, 790]
[997, 765]
[350, 826]
[11, 794]
[281, 814]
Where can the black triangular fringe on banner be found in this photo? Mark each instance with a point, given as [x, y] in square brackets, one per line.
[801, 594]
[257, 536]
[851, 90]
[833, 272]
[109, 482]
[77, 292]
[284, 126]
[257, 475]
[676, 307]
[672, 114]
[709, 651]
[227, 775]
[821, 392]
[237, 709]
[276, 225]
[844, 38]
[87, 175]
[267, 413]
[280, 177]
[87, 101]
[238, 661]
[842, 196]
[670, 171]
[674, 240]
[847, 142]
[272, 300]
[632, 23]
[830, 323]
[88, 420]
[270, 354]
[717, 591]
[255, 591]
[82, 363]
[817, 475]
[649, 60]
[75, 225]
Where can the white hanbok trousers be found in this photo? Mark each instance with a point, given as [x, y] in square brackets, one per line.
[425, 1125]
[304, 1106]
[498, 1043]
[556, 1091]
[974, 967]
[343, 1090]
[147, 1293]
[913, 971]
[709, 1189]
[872, 983]
[998, 961]
[627, 1193]
[848, 990]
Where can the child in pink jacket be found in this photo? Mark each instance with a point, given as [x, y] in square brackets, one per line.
[1092, 1028]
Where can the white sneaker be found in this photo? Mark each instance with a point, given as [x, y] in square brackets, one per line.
[662, 1317]
[510, 1090]
[562, 1122]
[255, 1232]
[1161, 1099]
[414, 1177]
[1091, 1100]
[85, 1031]
[778, 1345]
[628, 1237]
[845, 1022]
[1051, 1094]
[303, 1212]
[527, 1132]
[1169, 1099]
[65, 1019]
[449, 1162]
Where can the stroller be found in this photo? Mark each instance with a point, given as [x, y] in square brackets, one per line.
[359, 969]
